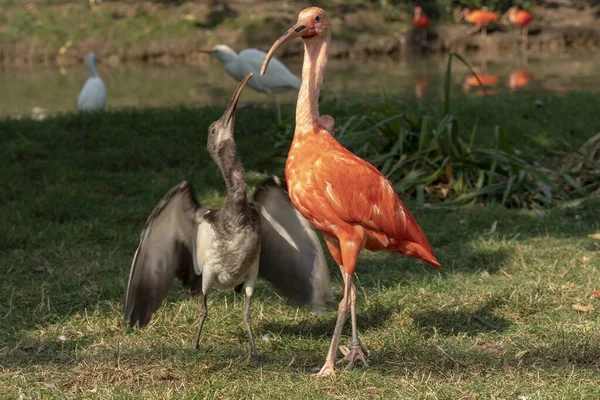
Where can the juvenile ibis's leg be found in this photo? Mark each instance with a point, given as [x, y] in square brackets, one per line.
[202, 318]
[249, 290]
[248, 322]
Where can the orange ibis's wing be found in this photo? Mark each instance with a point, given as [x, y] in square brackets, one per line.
[359, 194]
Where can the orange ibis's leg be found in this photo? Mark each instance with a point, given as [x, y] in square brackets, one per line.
[483, 31]
[356, 350]
[524, 32]
[349, 248]
[334, 248]
[329, 366]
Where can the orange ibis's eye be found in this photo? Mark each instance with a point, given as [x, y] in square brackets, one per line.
[317, 18]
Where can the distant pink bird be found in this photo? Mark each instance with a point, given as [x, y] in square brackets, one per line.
[480, 18]
[421, 22]
[521, 18]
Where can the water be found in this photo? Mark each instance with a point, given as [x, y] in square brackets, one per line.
[27, 89]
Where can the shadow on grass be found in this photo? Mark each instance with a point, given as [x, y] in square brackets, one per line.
[450, 323]
[481, 359]
[396, 359]
[76, 191]
[372, 318]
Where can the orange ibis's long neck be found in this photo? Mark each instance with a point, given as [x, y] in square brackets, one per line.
[315, 62]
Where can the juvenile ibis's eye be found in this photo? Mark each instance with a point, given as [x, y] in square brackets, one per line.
[213, 131]
[317, 18]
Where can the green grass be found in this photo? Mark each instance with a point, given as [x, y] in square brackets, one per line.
[496, 322]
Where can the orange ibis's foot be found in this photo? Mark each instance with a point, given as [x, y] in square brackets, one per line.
[356, 353]
[327, 370]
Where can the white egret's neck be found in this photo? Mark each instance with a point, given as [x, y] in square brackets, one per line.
[91, 66]
[313, 69]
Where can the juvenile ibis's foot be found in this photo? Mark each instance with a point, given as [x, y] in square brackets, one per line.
[356, 353]
[327, 370]
[256, 360]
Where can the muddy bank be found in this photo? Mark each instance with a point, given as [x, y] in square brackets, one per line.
[161, 33]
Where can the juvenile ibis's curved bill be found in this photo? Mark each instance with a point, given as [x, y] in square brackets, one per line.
[295, 31]
[228, 117]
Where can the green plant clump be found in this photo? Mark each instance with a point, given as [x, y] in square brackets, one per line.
[439, 159]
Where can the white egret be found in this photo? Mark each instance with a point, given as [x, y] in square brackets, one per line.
[93, 94]
[277, 78]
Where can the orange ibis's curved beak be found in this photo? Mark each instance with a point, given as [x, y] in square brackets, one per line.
[228, 116]
[295, 31]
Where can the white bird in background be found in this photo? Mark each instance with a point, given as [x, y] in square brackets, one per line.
[277, 78]
[93, 94]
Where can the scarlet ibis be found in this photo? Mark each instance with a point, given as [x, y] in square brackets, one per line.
[277, 79]
[480, 18]
[228, 247]
[93, 94]
[521, 18]
[341, 195]
[421, 22]
[519, 79]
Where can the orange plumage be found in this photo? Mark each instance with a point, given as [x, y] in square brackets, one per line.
[485, 79]
[341, 195]
[420, 20]
[348, 199]
[482, 17]
[519, 79]
[519, 17]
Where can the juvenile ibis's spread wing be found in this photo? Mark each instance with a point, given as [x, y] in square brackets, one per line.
[359, 194]
[164, 252]
[291, 256]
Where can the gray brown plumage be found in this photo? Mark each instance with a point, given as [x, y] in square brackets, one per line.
[229, 247]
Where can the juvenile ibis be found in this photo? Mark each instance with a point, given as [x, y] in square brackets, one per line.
[228, 247]
[93, 94]
[421, 22]
[341, 195]
[480, 18]
[277, 79]
[520, 18]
